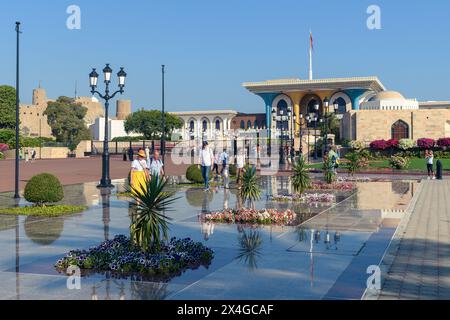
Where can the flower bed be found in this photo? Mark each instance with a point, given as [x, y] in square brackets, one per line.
[339, 185]
[268, 216]
[121, 256]
[306, 198]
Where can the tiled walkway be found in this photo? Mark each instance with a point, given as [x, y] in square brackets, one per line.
[421, 267]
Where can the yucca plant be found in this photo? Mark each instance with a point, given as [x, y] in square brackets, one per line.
[250, 190]
[329, 174]
[300, 177]
[149, 224]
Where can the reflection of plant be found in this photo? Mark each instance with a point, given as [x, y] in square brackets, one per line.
[250, 245]
[143, 290]
[150, 225]
[250, 190]
[300, 177]
[195, 197]
[43, 231]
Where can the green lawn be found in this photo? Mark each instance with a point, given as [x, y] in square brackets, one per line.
[416, 164]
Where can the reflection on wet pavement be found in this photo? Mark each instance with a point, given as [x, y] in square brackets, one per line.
[324, 256]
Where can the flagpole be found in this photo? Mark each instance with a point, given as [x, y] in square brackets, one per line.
[310, 56]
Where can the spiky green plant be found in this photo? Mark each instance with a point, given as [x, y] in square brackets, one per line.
[329, 174]
[149, 224]
[353, 165]
[250, 190]
[300, 177]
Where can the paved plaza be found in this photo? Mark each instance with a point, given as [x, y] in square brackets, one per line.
[421, 266]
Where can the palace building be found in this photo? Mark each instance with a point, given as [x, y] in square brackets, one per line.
[367, 110]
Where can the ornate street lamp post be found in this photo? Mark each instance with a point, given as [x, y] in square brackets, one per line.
[16, 186]
[105, 181]
[327, 116]
[316, 118]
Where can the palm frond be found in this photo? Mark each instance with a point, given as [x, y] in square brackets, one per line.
[250, 190]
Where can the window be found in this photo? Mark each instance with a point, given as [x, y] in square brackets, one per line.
[242, 124]
[217, 124]
[191, 126]
[282, 107]
[400, 130]
[249, 124]
[255, 124]
[205, 125]
[342, 105]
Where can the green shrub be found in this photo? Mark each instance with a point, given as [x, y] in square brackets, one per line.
[194, 174]
[300, 176]
[232, 170]
[398, 162]
[405, 144]
[44, 188]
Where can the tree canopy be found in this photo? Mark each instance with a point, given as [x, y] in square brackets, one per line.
[7, 107]
[149, 123]
[66, 119]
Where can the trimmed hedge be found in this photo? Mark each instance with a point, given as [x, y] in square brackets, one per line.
[43, 188]
[194, 174]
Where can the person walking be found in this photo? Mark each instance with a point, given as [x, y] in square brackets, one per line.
[155, 165]
[225, 172]
[206, 161]
[124, 154]
[139, 174]
[240, 163]
[27, 155]
[334, 156]
[130, 154]
[216, 164]
[33, 155]
[429, 157]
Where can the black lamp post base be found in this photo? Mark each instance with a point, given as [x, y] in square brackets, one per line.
[105, 184]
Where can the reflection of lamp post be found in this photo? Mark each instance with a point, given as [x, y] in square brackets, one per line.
[106, 193]
[105, 182]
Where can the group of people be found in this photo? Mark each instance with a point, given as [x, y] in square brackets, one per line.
[210, 159]
[144, 168]
[28, 155]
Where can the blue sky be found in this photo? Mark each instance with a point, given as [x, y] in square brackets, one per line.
[210, 47]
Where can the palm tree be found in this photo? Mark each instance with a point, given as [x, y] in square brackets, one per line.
[300, 177]
[329, 174]
[149, 224]
[250, 190]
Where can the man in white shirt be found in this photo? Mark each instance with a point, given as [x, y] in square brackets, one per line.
[155, 165]
[206, 161]
[240, 163]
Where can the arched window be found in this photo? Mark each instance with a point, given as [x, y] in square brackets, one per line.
[400, 130]
[255, 124]
[217, 124]
[242, 124]
[191, 126]
[249, 124]
[282, 107]
[342, 105]
[205, 125]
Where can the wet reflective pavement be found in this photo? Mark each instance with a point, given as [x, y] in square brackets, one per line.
[325, 256]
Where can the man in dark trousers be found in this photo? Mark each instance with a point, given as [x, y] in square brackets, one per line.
[130, 154]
